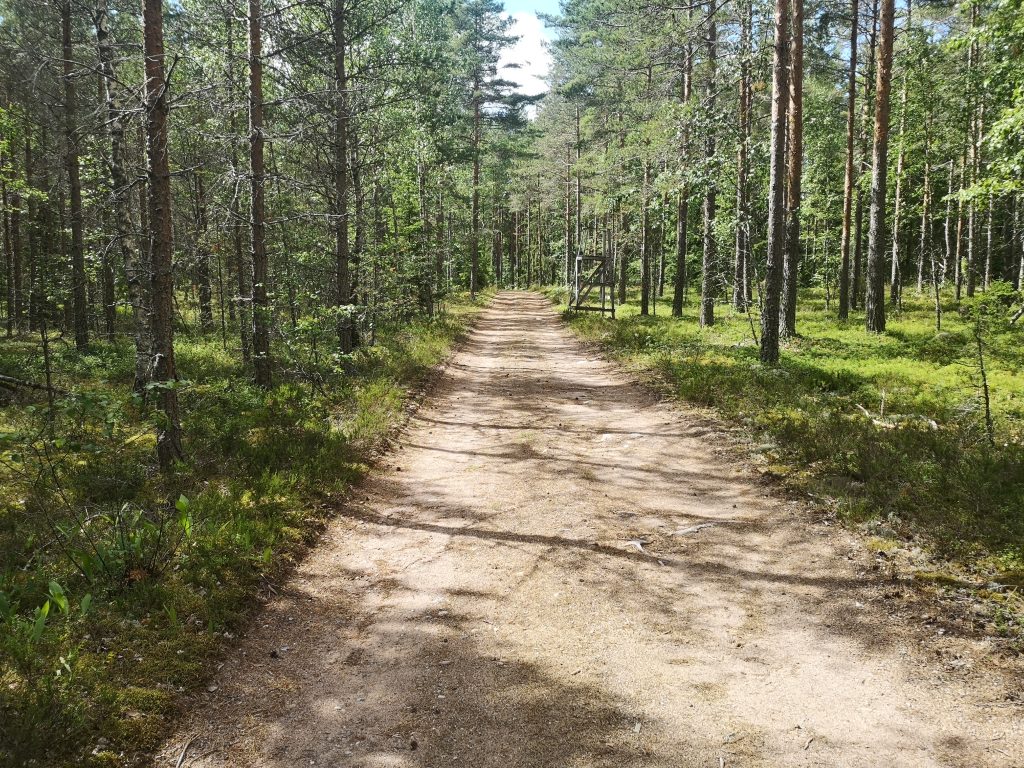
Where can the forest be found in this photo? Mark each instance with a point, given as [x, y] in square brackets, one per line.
[241, 239]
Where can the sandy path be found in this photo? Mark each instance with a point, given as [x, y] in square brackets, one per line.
[479, 602]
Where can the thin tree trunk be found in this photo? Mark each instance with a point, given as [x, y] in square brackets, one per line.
[241, 262]
[848, 184]
[683, 203]
[926, 199]
[975, 154]
[5, 219]
[869, 84]
[203, 256]
[341, 183]
[742, 255]
[988, 244]
[645, 243]
[895, 278]
[474, 248]
[875, 302]
[776, 190]
[16, 306]
[78, 276]
[790, 275]
[168, 443]
[948, 228]
[257, 219]
[569, 257]
[708, 272]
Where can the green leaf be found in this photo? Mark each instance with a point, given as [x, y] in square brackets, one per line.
[58, 597]
[184, 517]
[40, 622]
[85, 604]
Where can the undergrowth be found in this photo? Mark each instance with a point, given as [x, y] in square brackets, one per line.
[118, 586]
[891, 425]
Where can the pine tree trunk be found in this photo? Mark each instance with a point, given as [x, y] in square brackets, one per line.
[776, 189]
[168, 443]
[341, 183]
[683, 203]
[790, 275]
[203, 256]
[569, 256]
[257, 218]
[875, 302]
[948, 228]
[16, 306]
[848, 184]
[243, 300]
[645, 242]
[895, 278]
[8, 250]
[474, 247]
[79, 281]
[926, 199]
[977, 108]
[710, 259]
[740, 267]
[869, 84]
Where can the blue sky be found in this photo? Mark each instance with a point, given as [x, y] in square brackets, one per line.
[529, 53]
[531, 6]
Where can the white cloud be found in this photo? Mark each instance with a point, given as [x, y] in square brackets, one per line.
[529, 52]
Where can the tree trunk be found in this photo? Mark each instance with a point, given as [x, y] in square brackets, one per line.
[742, 256]
[776, 190]
[875, 302]
[569, 257]
[683, 203]
[168, 438]
[948, 228]
[645, 241]
[474, 247]
[977, 108]
[708, 276]
[203, 256]
[8, 250]
[257, 219]
[895, 278]
[926, 199]
[869, 82]
[16, 306]
[341, 182]
[78, 278]
[848, 184]
[790, 276]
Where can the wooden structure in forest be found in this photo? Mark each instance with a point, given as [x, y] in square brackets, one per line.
[593, 281]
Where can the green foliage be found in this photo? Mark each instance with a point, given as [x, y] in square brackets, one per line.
[892, 423]
[118, 585]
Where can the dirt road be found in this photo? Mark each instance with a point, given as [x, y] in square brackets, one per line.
[557, 570]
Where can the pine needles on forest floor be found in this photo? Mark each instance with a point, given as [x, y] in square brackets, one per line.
[114, 601]
[889, 429]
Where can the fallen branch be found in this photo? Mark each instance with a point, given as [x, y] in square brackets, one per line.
[11, 381]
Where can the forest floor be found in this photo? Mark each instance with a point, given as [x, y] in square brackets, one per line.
[557, 568]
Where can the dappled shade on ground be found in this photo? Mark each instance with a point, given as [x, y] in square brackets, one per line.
[556, 569]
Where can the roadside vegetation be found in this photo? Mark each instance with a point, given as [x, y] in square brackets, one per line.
[114, 601]
[889, 429]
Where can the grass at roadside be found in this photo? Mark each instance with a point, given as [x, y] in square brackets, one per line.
[891, 426]
[118, 587]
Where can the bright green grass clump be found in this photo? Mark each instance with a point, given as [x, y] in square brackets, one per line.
[893, 424]
[113, 598]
